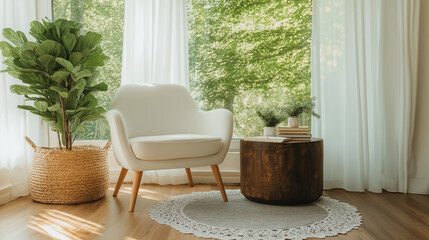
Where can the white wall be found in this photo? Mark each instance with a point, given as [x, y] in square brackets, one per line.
[419, 169]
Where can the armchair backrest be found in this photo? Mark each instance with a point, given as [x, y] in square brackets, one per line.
[156, 109]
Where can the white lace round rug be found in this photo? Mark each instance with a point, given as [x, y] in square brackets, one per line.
[206, 215]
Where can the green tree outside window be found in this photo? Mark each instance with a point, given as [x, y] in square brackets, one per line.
[249, 54]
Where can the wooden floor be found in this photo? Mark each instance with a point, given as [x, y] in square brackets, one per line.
[385, 216]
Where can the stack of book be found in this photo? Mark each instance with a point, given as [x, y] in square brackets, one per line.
[268, 139]
[286, 134]
[299, 133]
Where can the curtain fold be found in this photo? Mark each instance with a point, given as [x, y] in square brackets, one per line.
[155, 42]
[156, 51]
[364, 75]
[15, 124]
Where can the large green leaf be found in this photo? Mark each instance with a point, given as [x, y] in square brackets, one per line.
[63, 52]
[80, 86]
[13, 53]
[94, 59]
[94, 77]
[19, 63]
[54, 108]
[88, 101]
[54, 31]
[48, 47]
[63, 27]
[76, 57]
[28, 56]
[83, 73]
[86, 51]
[68, 65]
[76, 70]
[92, 117]
[26, 107]
[23, 90]
[69, 41]
[37, 30]
[57, 32]
[59, 124]
[47, 62]
[47, 24]
[72, 100]
[63, 138]
[41, 106]
[28, 98]
[44, 115]
[32, 78]
[60, 76]
[62, 91]
[75, 124]
[18, 38]
[90, 40]
[52, 125]
[98, 87]
[32, 46]
[6, 49]
[69, 112]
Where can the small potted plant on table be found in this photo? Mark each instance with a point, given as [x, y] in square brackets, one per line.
[271, 117]
[295, 108]
[58, 72]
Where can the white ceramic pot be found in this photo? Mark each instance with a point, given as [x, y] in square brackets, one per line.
[269, 131]
[293, 122]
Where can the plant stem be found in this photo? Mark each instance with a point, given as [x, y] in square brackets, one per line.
[59, 140]
[74, 138]
[70, 139]
[65, 127]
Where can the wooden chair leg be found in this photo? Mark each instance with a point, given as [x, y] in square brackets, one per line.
[188, 172]
[121, 178]
[216, 173]
[135, 191]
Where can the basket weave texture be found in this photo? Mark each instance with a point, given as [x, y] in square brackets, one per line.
[69, 176]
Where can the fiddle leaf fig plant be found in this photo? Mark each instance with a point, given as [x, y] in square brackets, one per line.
[58, 72]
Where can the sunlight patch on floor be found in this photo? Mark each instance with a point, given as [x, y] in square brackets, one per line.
[61, 225]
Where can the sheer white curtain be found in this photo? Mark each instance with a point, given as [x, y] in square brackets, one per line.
[364, 75]
[156, 51]
[155, 42]
[15, 124]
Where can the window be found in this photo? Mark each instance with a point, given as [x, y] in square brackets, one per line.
[107, 18]
[247, 54]
[242, 54]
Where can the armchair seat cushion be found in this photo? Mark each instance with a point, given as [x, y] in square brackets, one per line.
[165, 147]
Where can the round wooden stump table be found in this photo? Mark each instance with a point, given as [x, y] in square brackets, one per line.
[281, 173]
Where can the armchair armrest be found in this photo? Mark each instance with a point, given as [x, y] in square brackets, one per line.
[218, 122]
[121, 146]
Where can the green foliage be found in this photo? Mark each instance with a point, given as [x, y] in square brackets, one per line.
[271, 117]
[244, 54]
[107, 19]
[296, 107]
[58, 70]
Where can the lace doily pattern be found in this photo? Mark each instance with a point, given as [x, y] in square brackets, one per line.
[342, 218]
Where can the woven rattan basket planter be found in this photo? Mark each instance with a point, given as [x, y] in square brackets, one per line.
[69, 176]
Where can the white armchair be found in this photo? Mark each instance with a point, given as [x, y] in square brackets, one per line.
[160, 127]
